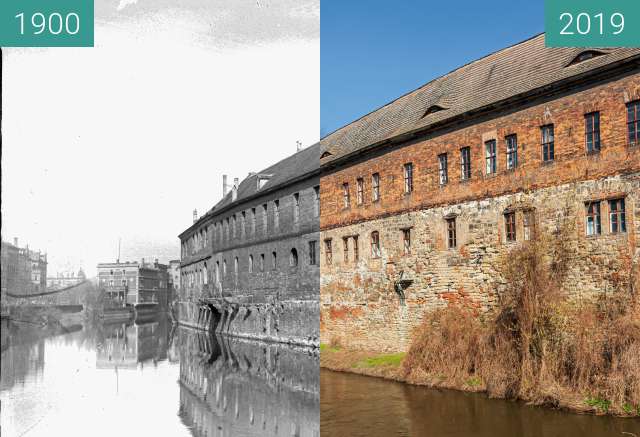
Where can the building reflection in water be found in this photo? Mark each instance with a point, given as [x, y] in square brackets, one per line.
[231, 387]
[129, 345]
[19, 362]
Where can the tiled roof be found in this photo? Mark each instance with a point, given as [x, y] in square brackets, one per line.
[512, 71]
[301, 163]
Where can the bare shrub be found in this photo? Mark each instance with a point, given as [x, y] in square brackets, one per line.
[537, 345]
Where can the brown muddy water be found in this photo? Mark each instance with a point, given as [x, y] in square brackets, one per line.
[354, 405]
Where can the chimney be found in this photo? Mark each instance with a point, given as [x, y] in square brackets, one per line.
[224, 185]
[298, 146]
[234, 192]
[142, 262]
[15, 241]
[195, 215]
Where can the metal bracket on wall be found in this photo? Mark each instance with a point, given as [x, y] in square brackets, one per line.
[400, 285]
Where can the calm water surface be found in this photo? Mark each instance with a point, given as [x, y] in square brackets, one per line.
[149, 378]
[354, 405]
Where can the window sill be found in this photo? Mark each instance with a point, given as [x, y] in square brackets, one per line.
[593, 152]
[550, 162]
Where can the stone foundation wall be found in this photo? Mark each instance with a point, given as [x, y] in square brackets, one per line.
[360, 308]
[291, 321]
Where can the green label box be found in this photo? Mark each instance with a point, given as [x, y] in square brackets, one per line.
[46, 23]
[592, 23]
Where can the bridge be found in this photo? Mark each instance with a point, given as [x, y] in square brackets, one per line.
[68, 299]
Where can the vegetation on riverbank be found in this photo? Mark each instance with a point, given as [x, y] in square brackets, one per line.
[537, 345]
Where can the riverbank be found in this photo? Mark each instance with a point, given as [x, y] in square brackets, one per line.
[390, 367]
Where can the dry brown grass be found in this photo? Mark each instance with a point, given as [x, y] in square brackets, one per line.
[538, 345]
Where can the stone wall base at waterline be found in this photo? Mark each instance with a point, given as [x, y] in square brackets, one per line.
[291, 321]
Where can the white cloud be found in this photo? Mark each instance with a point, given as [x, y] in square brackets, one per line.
[124, 3]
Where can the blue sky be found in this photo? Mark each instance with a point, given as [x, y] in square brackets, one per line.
[374, 51]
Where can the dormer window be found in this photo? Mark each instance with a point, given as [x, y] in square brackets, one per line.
[262, 179]
[585, 56]
[325, 154]
[433, 109]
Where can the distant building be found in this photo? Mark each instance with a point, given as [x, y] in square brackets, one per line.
[174, 279]
[24, 271]
[66, 279]
[134, 283]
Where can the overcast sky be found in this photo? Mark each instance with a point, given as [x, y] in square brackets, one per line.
[125, 139]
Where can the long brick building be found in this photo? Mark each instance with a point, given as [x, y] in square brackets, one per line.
[250, 266]
[421, 198]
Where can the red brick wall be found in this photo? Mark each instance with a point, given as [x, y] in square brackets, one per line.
[571, 161]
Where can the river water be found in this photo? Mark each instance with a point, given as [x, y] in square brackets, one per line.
[151, 378]
[354, 405]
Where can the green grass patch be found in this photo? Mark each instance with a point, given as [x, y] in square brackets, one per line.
[474, 382]
[599, 403]
[328, 348]
[392, 360]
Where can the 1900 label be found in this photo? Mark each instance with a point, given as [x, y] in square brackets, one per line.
[46, 23]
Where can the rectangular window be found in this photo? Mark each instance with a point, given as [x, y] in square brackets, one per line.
[345, 249]
[593, 222]
[529, 225]
[633, 122]
[244, 224]
[451, 232]
[296, 207]
[490, 156]
[316, 205]
[360, 191]
[512, 151]
[356, 252]
[375, 244]
[345, 195]
[312, 253]
[465, 163]
[443, 169]
[375, 187]
[617, 217]
[406, 241]
[253, 221]
[592, 132]
[328, 254]
[547, 143]
[408, 178]
[233, 227]
[265, 219]
[510, 226]
[276, 214]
